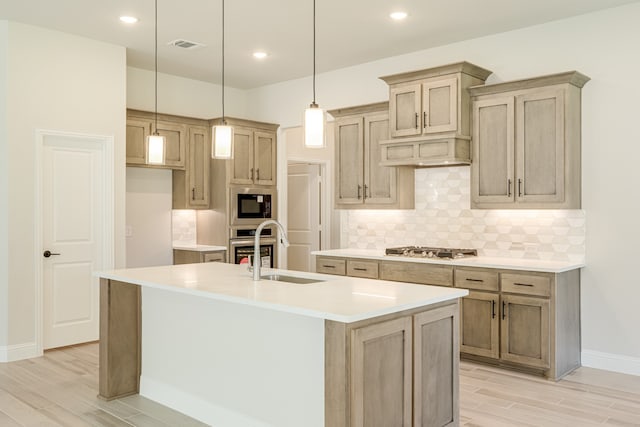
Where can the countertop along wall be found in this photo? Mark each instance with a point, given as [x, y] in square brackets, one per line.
[600, 45]
[54, 81]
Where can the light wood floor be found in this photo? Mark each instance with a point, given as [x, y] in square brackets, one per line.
[59, 389]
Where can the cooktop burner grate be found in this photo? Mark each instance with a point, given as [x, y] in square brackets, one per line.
[430, 252]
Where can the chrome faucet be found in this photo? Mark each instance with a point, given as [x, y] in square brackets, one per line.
[257, 259]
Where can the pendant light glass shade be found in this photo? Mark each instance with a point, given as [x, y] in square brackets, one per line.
[155, 142]
[314, 117]
[155, 149]
[222, 142]
[314, 125]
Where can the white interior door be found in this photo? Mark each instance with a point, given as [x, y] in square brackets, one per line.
[303, 199]
[73, 221]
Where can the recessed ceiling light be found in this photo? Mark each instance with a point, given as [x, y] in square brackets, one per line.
[129, 19]
[398, 16]
[259, 55]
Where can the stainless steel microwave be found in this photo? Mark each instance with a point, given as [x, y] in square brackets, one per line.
[252, 205]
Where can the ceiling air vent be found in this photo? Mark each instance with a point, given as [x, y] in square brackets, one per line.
[186, 44]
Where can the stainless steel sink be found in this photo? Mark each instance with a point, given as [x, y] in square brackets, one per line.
[289, 279]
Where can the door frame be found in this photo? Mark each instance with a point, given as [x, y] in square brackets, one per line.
[108, 241]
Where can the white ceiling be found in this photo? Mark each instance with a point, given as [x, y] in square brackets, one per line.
[349, 32]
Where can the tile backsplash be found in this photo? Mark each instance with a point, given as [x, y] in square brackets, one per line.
[442, 217]
[183, 225]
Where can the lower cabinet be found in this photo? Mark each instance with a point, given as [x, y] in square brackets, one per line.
[182, 256]
[399, 372]
[518, 319]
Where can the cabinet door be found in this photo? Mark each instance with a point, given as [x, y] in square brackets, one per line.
[525, 330]
[540, 147]
[198, 167]
[381, 374]
[137, 133]
[492, 174]
[265, 158]
[440, 105]
[405, 104]
[436, 360]
[349, 161]
[479, 324]
[175, 144]
[242, 163]
[379, 181]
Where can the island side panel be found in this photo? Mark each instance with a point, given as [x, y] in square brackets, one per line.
[120, 328]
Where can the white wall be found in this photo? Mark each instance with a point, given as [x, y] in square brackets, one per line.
[181, 96]
[55, 81]
[600, 45]
[4, 188]
[148, 217]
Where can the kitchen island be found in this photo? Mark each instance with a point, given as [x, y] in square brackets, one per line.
[208, 341]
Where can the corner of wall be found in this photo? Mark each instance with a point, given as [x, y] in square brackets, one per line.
[4, 185]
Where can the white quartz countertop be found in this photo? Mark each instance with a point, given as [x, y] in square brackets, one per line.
[339, 298]
[198, 248]
[479, 261]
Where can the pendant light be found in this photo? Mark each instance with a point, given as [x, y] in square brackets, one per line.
[222, 134]
[314, 116]
[155, 141]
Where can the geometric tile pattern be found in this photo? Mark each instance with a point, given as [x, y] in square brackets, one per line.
[442, 217]
[183, 225]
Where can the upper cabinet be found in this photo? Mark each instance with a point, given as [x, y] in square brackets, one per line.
[429, 115]
[191, 186]
[361, 182]
[526, 143]
[141, 124]
[254, 152]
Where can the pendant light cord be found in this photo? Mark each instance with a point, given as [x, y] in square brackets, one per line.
[314, 52]
[156, 67]
[223, 121]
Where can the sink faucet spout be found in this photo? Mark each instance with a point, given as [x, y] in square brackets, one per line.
[257, 261]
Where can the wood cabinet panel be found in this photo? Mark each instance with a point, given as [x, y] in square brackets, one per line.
[486, 280]
[350, 160]
[365, 269]
[528, 284]
[241, 166]
[426, 274]
[331, 266]
[440, 109]
[436, 358]
[174, 145]
[404, 109]
[479, 324]
[379, 181]
[525, 330]
[382, 374]
[265, 158]
[137, 133]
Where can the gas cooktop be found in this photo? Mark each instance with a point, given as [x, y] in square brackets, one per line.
[429, 252]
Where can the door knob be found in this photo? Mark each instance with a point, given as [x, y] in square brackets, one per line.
[48, 253]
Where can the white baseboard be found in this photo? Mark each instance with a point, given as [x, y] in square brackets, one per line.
[194, 406]
[11, 353]
[611, 362]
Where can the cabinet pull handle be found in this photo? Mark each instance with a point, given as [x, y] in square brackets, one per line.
[257, 174]
[424, 116]
[251, 174]
[504, 310]
[359, 269]
[366, 187]
[359, 191]
[193, 193]
[509, 187]
[328, 266]
[493, 309]
[519, 187]
[474, 280]
[524, 284]
[416, 120]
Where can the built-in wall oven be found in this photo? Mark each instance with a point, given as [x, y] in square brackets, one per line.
[251, 205]
[241, 245]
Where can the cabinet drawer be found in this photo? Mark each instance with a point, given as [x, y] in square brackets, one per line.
[213, 257]
[526, 284]
[426, 274]
[476, 279]
[331, 266]
[367, 270]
